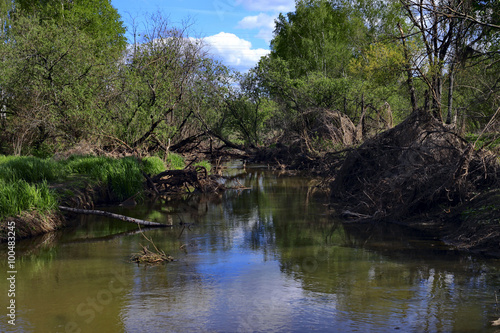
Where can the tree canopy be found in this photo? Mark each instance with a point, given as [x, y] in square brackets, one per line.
[68, 75]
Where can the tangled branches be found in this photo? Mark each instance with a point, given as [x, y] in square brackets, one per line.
[175, 181]
[412, 168]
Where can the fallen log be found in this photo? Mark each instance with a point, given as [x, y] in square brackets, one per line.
[114, 216]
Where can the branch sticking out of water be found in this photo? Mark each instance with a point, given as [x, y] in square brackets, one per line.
[148, 257]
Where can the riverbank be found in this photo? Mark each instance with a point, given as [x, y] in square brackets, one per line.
[473, 226]
[33, 188]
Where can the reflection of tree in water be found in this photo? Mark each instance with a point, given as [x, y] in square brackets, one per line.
[388, 274]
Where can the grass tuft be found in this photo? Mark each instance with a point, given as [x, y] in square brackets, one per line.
[175, 161]
[19, 195]
[152, 165]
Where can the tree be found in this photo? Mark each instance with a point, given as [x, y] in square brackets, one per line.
[323, 56]
[55, 71]
[97, 18]
[169, 87]
[452, 32]
[314, 38]
[50, 82]
[248, 110]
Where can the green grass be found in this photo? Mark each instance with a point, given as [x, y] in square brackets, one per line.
[30, 169]
[122, 176]
[205, 164]
[18, 195]
[487, 140]
[24, 180]
[152, 165]
[175, 161]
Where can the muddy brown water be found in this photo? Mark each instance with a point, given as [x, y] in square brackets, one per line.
[264, 259]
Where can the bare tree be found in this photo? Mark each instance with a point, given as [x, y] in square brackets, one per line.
[451, 32]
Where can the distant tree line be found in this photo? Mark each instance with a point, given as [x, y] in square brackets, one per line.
[68, 75]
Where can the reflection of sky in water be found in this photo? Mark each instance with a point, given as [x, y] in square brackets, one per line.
[240, 288]
[266, 260]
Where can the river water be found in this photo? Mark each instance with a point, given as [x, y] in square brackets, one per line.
[267, 258]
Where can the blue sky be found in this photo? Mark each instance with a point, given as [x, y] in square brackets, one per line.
[237, 31]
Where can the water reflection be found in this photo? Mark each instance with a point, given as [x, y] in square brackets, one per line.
[263, 259]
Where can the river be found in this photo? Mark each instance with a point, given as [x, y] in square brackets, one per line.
[266, 258]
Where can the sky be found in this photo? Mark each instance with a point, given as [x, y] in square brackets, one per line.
[237, 32]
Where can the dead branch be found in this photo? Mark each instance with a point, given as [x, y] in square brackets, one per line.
[114, 216]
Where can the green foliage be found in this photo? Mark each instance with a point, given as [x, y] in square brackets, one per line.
[24, 180]
[122, 176]
[486, 140]
[333, 55]
[379, 63]
[23, 184]
[314, 38]
[175, 161]
[249, 111]
[96, 18]
[205, 164]
[52, 82]
[66, 75]
[19, 195]
[152, 165]
[30, 169]
[171, 89]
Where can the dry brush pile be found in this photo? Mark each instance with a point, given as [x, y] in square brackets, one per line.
[413, 168]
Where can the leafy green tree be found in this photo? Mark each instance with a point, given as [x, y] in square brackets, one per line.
[333, 55]
[171, 91]
[249, 110]
[50, 83]
[56, 71]
[97, 18]
[316, 37]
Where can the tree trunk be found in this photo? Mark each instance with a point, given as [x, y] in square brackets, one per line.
[409, 73]
[450, 94]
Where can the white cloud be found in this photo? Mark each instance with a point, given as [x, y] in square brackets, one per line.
[234, 51]
[263, 22]
[268, 5]
[258, 21]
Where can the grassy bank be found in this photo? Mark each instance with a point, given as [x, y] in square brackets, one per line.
[25, 182]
